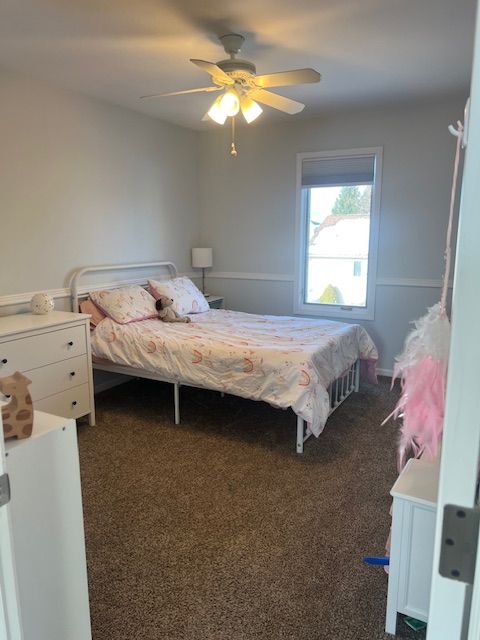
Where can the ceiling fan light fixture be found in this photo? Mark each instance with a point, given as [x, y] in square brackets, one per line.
[229, 103]
[250, 109]
[242, 89]
[215, 112]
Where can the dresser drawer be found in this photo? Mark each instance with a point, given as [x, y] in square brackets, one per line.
[72, 403]
[24, 354]
[57, 377]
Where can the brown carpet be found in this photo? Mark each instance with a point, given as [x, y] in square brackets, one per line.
[216, 529]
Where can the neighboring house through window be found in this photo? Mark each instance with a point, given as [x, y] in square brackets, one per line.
[337, 231]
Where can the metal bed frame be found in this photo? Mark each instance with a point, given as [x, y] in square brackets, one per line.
[338, 390]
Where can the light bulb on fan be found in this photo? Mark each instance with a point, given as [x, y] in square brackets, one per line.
[216, 113]
[229, 103]
[250, 109]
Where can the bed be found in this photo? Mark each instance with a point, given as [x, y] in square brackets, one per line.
[310, 366]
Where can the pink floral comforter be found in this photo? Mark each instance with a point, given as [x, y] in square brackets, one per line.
[285, 361]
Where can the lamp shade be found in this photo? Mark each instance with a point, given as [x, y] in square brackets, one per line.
[215, 113]
[202, 258]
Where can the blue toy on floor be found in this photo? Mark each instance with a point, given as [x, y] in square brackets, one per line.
[374, 560]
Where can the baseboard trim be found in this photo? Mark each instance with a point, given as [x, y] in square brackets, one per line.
[385, 372]
[14, 299]
[285, 277]
[21, 298]
[411, 282]
[240, 275]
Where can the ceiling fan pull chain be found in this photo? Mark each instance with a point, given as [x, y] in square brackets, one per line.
[233, 150]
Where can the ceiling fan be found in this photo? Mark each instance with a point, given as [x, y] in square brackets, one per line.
[242, 89]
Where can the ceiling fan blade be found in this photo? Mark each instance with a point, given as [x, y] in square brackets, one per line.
[178, 93]
[213, 70]
[286, 78]
[277, 102]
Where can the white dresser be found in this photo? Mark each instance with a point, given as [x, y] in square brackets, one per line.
[46, 521]
[53, 350]
[413, 532]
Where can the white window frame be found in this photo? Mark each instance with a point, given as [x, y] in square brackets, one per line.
[300, 307]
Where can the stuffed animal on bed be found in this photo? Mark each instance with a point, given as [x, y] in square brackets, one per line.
[165, 312]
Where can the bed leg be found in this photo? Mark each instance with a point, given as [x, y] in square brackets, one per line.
[176, 401]
[357, 375]
[300, 430]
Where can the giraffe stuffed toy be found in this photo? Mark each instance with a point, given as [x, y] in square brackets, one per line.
[17, 415]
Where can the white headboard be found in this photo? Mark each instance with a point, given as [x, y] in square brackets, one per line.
[77, 291]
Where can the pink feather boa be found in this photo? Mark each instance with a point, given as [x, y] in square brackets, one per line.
[422, 368]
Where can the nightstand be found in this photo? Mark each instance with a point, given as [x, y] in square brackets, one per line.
[413, 533]
[215, 302]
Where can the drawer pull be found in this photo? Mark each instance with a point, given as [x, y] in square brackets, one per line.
[72, 373]
[4, 361]
[70, 344]
[74, 403]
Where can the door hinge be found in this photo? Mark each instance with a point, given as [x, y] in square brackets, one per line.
[458, 552]
[4, 489]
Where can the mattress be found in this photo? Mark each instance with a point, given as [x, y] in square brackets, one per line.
[282, 360]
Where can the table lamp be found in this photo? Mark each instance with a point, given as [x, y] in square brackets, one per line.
[202, 259]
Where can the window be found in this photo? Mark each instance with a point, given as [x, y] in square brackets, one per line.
[337, 229]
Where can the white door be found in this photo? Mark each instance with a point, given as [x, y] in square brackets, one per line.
[449, 615]
[10, 626]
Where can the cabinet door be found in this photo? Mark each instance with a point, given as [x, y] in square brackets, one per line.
[417, 560]
[10, 625]
[47, 525]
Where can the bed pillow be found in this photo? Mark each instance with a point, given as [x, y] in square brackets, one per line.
[87, 306]
[187, 298]
[126, 304]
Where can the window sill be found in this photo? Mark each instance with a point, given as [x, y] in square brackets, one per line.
[333, 313]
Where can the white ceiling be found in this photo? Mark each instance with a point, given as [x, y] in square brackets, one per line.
[368, 51]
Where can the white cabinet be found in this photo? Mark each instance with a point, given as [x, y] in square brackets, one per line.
[413, 532]
[53, 350]
[47, 531]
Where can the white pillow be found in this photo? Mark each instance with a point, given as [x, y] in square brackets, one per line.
[126, 304]
[187, 298]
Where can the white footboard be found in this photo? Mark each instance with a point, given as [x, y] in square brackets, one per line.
[338, 391]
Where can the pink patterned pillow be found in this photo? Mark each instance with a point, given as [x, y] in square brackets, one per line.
[127, 304]
[187, 298]
[87, 306]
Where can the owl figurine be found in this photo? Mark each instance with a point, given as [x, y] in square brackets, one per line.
[41, 303]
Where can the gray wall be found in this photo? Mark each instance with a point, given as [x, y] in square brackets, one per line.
[248, 208]
[83, 182]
